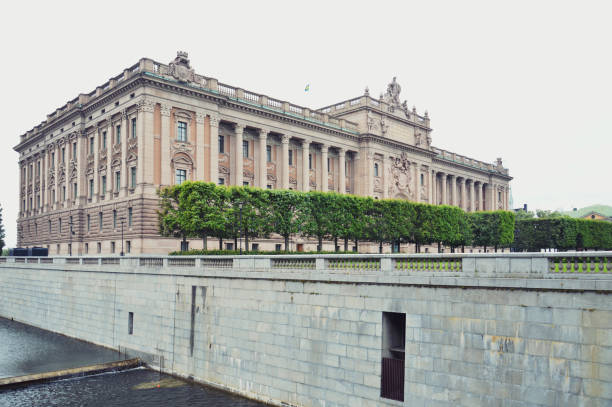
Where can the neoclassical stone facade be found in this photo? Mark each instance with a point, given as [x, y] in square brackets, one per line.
[93, 167]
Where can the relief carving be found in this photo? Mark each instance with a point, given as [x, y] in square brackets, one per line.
[180, 69]
[400, 177]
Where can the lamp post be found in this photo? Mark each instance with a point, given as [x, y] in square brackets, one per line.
[122, 219]
[70, 233]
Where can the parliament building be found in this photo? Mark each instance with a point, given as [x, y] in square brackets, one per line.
[90, 172]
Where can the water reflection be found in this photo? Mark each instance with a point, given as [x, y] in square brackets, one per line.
[27, 350]
[129, 388]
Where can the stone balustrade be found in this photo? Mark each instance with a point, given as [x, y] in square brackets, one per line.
[531, 265]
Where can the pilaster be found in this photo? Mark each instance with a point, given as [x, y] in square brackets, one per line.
[385, 177]
[238, 160]
[165, 144]
[305, 165]
[443, 182]
[124, 142]
[214, 148]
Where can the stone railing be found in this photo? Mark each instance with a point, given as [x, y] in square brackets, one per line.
[489, 264]
[457, 158]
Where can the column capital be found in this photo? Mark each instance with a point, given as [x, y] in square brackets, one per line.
[146, 105]
[285, 138]
[306, 143]
[341, 151]
[200, 116]
[214, 119]
[324, 148]
[239, 128]
[165, 109]
[263, 132]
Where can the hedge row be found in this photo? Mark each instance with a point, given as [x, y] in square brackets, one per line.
[562, 233]
[198, 209]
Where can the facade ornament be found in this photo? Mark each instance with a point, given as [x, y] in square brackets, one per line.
[165, 109]
[401, 179]
[413, 109]
[146, 105]
[498, 163]
[200, 117]
[393, 91]
[384, 127]
[124, 114]
[418, 139]
[367, 91]
[428, 139]
[426, 115]
[214, 120]
[180, 69]
[285, 139]
[372, 126]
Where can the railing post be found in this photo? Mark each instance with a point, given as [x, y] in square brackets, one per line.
[386, 264]
[320, 264]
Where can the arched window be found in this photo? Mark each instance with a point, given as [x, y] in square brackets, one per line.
[376, 169]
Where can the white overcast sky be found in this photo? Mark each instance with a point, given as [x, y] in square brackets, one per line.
[529, 81]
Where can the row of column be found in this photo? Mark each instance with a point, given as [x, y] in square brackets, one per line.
[469, 194]
[261, 169]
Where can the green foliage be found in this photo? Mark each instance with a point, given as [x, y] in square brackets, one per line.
[197, 209]
[521, 214]
[562, 233]
[603, 209]
[492, 229]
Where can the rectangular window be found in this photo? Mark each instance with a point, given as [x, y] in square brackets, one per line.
[393, 355]
[255, 247]
[74, 151]
[278, 247]
[221, 181]
[103, 185]
[422, 179]
[269, 186]
[181, 176]
[129, 246]
[328, 165]
[49, 226]
[229, 246]
[88, 222]
[133, 177]
[245, 183]
[60, 225]
[53, 195]
[290, 152]
[99, 247]
[221, 144]
[245, 148]
[100, 219]
[64, 193]
[118, 135]
[130, 216]
[63, 155]
[86, 248]
[104, 140]
[117, 181]
[130, 322]
[52, 159]
[310, 161]
[182, 132]
[91, 188]
[112, 247]
[134, 127]
[269, 154]
[91, 145]
[74, 191]
[114, 219]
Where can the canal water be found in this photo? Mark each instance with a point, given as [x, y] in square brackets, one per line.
[26, 350]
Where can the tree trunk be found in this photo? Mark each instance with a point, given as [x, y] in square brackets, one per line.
[439, 248]
[346, 244]
[320, 246]
[235, 242]
[287, 243]
[495, 248]
[357, 245]
[462, 248]
[380, 247]
[246, 241]
[204, 242]
[220, 243]
[485, 248]
[335, 244]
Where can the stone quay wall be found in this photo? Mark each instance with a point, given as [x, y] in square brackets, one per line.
[480, 329]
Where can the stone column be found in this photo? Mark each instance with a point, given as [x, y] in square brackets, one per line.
[262, 162]
[238, 159]
[385, 179]
[124, 142]
[200, 160]
[369, 173]
[214, 148]
[472, 197]
[166, 176]
[146, 148]
[443, 182]
[43, 180]
[79, 161]
[416, 178]
[55, 203]
[305, 166]
[285, 162]
[324, 168]
[96, 154]
[453, 185]
[430, 186]
[110, 141]
[342, 170]
[463, 195]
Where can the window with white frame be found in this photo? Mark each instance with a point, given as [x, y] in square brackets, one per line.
[182, 132]
[181, 176]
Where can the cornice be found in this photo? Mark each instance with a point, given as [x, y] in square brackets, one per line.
[387, 114]
[461, 166]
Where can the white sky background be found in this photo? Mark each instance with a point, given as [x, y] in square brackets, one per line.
[529, 81]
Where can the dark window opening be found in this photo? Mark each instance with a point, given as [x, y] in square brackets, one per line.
[393, 355]
[130, 323]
